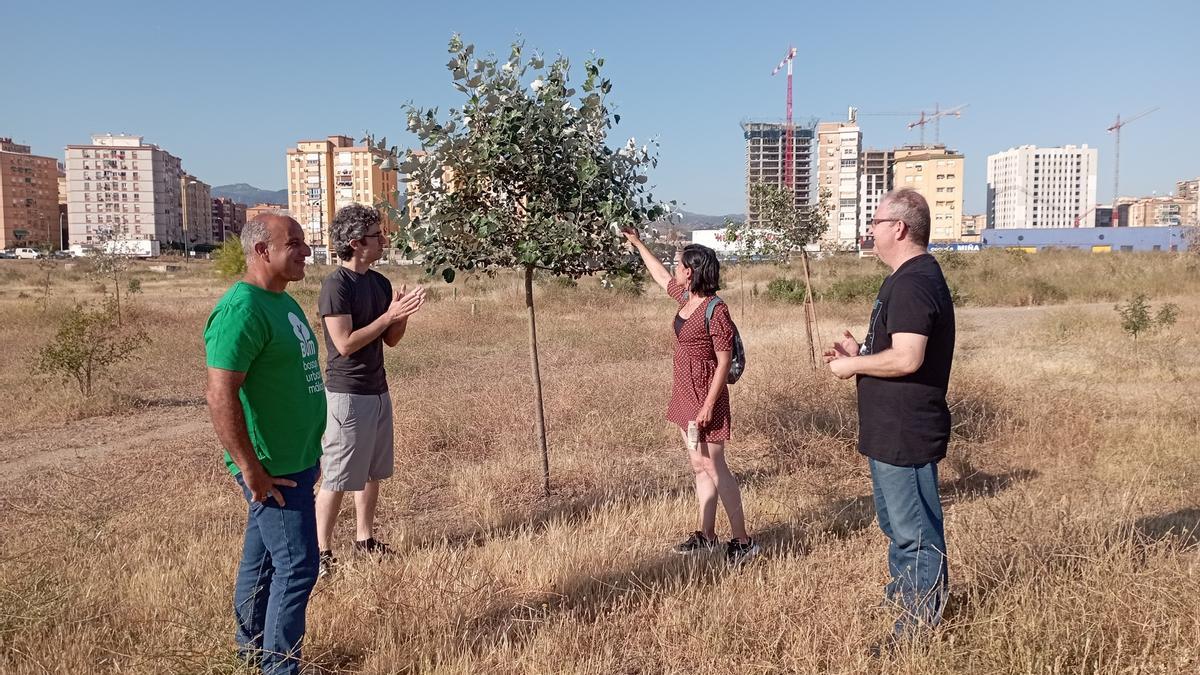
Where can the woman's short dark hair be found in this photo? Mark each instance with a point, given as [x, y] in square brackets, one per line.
[706, 269]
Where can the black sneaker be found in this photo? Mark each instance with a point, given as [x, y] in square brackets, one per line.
[372, 547]
[740, 552]
[328, 564]
[695, 544]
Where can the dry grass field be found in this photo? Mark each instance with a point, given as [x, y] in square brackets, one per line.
[1072, 488]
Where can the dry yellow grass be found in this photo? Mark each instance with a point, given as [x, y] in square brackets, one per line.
[1073, 516]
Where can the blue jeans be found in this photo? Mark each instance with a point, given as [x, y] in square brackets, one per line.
[277, 574]
[910, 514]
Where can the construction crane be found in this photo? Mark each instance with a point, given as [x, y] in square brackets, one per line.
[935, 117]
[1116, 127]
[789, 165]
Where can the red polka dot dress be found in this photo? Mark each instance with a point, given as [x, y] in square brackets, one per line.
[695, 365]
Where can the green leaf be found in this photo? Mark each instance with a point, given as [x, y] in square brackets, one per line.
[448, 275]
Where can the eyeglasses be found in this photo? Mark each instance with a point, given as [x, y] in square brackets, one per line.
[378, 235]
[876, 223]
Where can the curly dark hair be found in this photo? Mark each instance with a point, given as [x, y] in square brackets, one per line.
[352, 223]
[706, 269]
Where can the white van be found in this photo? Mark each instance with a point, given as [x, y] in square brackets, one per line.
[27, 253]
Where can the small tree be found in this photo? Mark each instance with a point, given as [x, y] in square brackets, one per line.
[783, 233]
[230, 259]
[521, 177]
[47, 266]
[1136, 319]
[110, 260]
[87, 343]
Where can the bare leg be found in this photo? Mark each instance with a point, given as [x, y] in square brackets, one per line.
[329, 502]
[706, 494]
[713, 457]
[365, 501]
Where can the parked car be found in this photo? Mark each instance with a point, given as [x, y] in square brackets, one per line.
[7, 254]
[28, 253]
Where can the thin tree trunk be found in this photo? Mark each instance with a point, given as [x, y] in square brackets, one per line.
[117, 291]
[810, 313]
[742, 274]
[537, 383]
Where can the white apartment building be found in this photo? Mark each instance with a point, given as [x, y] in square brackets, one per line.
[1038, 187]
[122, 188]
[875, 180]
[839, 147]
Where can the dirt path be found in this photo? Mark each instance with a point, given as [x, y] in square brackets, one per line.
[93, 437]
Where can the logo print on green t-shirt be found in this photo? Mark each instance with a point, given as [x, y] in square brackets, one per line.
[308, 346]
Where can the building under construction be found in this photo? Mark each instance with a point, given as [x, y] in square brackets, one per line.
[766, 144]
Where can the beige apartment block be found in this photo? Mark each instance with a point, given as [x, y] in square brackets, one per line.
[973, 227]
[839, 167]
[325, 175]
[766, 144]
[936, 173]
[1161, 211]
[228, 217]
[1190, 190]
[256, 210]
[196, 201]
[29, 214]
[120, 187]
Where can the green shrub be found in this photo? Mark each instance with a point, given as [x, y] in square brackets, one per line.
[785, 290]
[87, 343]
[230, 259]
[854, 288]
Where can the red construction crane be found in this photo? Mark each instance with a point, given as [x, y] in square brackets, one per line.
[788, 153]
[936, 116]
[1117, 160]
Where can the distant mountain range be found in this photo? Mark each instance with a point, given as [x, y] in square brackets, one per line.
[688, 221]
[244, 193]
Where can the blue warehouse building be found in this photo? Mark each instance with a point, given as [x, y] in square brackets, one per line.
[1095, 239]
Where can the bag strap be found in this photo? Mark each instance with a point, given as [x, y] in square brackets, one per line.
[708, 312]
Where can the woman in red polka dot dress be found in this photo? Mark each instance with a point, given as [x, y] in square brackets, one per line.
[699, 392]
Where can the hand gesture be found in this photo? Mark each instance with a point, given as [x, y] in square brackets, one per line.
[631, 235]
[704, 416]
[405, 303]
[262, 485]
[847, 346]
[838, 356]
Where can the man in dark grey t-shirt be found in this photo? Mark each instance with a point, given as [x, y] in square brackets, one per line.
[361, 313]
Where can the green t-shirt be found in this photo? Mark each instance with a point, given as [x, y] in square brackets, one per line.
[265, 335]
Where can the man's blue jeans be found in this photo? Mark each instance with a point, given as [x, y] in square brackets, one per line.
[277, 574]
[910, 514]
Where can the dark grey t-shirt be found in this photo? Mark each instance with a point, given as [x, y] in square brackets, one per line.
[365, 297]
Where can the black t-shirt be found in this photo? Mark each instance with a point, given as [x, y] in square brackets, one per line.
[905, 420]
[365, 297]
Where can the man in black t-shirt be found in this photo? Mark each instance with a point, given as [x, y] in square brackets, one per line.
[360, 313]
[902, 369]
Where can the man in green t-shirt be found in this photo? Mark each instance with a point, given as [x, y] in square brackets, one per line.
[267, 402]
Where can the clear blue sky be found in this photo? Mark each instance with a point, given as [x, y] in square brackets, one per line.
[228, 86]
